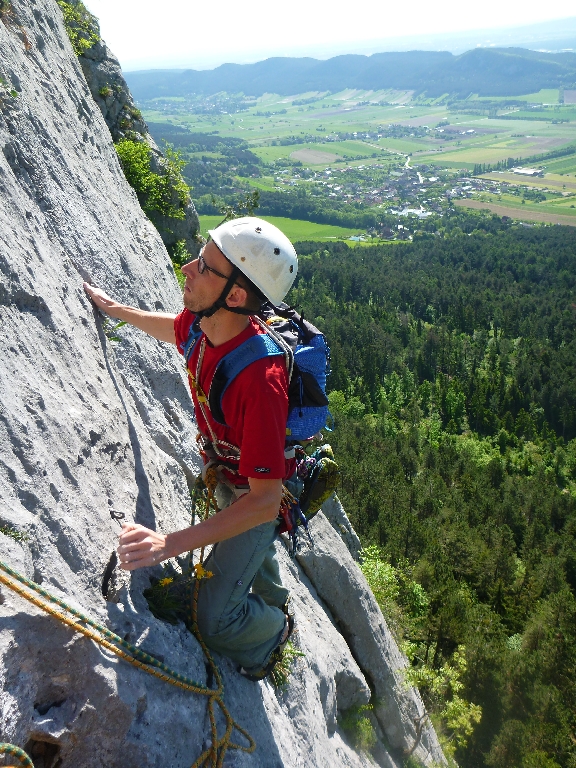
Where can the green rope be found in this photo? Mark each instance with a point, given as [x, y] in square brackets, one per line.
[19, 754]
[80, 622]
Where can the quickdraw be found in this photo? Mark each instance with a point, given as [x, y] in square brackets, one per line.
[293, 520]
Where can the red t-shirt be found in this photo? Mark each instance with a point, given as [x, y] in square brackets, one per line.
[255, 405]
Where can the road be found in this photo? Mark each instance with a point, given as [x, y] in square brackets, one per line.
[407, 165]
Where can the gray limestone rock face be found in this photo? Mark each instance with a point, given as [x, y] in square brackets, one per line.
[95, 430]
[336, 515]
[342, 585]
[110, 91]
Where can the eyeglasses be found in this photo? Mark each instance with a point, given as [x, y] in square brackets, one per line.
[202, 267]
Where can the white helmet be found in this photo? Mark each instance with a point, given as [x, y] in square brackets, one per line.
[260, 251]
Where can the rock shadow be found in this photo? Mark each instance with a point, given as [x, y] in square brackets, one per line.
[144, 513]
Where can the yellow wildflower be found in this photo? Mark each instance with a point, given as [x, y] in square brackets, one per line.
[201, 572]
[165, 582]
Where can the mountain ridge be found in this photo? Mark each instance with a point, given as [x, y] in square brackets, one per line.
[485, 71]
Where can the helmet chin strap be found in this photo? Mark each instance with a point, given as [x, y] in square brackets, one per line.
[220, 302]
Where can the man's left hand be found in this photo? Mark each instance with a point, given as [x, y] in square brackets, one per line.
[140, 547]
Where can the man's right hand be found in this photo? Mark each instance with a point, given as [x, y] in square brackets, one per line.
[157, 324]
[101, 299]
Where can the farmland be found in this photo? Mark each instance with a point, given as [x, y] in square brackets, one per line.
[383, 153]
[293, 229]
[527, 214]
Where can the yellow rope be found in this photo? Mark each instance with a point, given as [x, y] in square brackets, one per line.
[80, 622]
[212, 757]
[19, 754]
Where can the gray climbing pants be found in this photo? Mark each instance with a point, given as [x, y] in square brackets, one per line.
[239, 612]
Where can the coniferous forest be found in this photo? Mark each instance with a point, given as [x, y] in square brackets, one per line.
[453, 388]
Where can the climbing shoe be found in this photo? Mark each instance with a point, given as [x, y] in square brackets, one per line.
[276, 656]
[319, 485]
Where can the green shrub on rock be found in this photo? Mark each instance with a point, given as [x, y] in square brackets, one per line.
[165, 194]
[81, 26]
[356, 724]
[179, 255]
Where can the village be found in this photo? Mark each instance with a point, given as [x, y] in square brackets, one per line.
[408, 193]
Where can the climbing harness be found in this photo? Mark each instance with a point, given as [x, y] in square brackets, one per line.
[213, 757]
[19, 754]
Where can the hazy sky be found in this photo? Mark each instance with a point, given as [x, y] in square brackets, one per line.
[179, 33]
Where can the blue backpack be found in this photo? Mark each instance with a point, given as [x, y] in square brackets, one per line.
[307, 359]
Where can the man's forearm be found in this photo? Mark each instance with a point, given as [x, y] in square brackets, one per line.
[157, 324]
[140, 547]
[246, 513]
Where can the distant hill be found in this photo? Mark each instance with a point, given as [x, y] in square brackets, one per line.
[485, 71]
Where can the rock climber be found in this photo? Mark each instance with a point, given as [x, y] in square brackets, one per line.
[242, 609]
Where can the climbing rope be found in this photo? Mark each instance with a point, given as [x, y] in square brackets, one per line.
[19, 754]
[204, 504]
[212, 757]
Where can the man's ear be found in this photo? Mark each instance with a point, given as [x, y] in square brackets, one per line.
[237, 296]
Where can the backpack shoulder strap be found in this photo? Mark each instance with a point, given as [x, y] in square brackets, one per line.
[254, 348]
[194, 335]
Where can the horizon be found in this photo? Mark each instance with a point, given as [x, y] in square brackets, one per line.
[326, 58]
[186, 37]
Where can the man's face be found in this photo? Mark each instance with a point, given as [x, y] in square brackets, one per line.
[202, 290]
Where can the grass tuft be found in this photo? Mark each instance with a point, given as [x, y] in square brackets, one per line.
[280, 675]
[18, 536]
[358, 728]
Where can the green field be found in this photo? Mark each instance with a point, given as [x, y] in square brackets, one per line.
[268, 154]
[293, 229]
[558, 206]
[545, 96]
[523, 212]
[340, 149]
[553, 181]
[502, 145]
[547, 114]
[351, 147]
[274, 118]
[467, 157]
[564, 165]
[407, 146]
